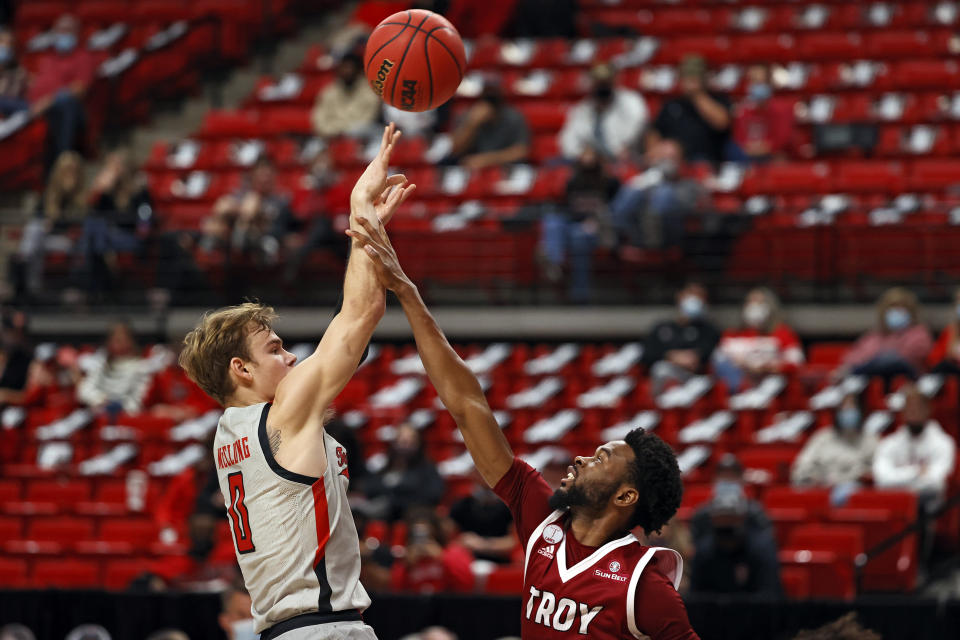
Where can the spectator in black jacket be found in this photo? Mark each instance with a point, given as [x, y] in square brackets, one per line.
[728, 479]
[676, 350]
[485, 523]
[698, 119]
[410, 478]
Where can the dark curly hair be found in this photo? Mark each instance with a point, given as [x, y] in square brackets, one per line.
[656, 476]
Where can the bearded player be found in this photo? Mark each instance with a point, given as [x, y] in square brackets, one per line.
[585, 574]
[284, 479]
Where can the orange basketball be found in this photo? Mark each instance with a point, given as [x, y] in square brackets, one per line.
[415, 60]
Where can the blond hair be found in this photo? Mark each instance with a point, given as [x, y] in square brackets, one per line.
[220, 337]
[59, 199]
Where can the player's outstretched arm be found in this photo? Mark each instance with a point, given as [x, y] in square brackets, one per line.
[308, 390]
[456, 385]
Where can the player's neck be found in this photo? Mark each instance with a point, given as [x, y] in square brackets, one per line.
[244, 397]
[594, 529]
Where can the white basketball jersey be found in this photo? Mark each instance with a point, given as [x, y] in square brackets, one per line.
[294, 535]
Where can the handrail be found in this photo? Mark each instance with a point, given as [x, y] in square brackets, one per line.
[860, 562]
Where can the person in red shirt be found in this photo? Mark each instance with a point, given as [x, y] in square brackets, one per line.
[59, 83]
[763, 123]
[762, 346]
[429, 565]
[585, 573]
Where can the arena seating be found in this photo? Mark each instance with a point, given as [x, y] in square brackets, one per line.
[71, 524]
[834, 217]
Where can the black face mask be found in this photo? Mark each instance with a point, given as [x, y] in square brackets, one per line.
[916, 428]
[603, 92]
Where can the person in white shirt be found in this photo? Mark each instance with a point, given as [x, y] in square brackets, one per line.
[838, 456]
[611, 119]
[919, 456]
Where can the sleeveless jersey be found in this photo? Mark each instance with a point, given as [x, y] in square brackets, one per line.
[294, 535]
[596, 596]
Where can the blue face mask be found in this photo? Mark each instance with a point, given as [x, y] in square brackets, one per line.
[65, 42]
[691, 306]
[759, 92]
[6, 54]
[727, 487]
[896, 318]
[848, 419]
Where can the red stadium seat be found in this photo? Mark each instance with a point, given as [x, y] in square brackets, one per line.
[64, 492]
[118, 574]
[64, 530]
[66, 573]
[10, 491]
[505, 580]
[136, 531]
[11, 528]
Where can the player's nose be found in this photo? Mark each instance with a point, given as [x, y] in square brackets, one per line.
[291, 359]
[579, 461]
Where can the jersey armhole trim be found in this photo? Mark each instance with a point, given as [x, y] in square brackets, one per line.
[635, 578]
[268, 455]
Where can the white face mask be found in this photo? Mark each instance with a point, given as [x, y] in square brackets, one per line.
[244, 630]
[756, 313]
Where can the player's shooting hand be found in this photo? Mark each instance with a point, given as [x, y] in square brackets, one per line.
[392, 197]
[377, 245]
[372, 183]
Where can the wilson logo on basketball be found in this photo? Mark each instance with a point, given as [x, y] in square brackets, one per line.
[409, 94]
[385, 68]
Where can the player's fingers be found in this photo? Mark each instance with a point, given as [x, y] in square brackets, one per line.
[406, 191]
[370, 229]
[397, 178]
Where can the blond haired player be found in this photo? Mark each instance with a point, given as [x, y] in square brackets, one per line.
[284, 479]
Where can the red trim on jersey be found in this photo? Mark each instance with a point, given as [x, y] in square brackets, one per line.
[320, 515]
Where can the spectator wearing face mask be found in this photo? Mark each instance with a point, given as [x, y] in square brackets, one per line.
[58, 86]
[839, 456]
[945, 355]
[763, 345]
[899, 345]
[650, 209]
[235, 619]
[410, 478]
[492, 133]
[431, 564]
[347, 106]
[735, 551]
[763, 124]
[610, 120]
[574, 230]
[699, 119]
[13, 78]
[678, 349]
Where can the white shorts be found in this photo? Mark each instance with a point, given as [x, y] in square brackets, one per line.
[331, 631]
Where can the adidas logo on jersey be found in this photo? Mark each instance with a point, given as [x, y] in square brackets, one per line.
[547, 552]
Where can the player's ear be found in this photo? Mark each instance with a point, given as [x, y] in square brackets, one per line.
[627, 496]
[239, 369]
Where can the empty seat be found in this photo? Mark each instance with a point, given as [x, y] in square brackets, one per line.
[136, 531]
[118, 574]
[505, 580]
[13, 572]
[65, 573]
[60, 530]
[64, 492]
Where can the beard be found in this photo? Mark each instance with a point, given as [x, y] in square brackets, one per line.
[579, 496]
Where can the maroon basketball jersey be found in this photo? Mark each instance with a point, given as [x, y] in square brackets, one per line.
[596, 596]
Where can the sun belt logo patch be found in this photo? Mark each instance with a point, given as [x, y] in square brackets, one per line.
[614, 566]
[553, 534]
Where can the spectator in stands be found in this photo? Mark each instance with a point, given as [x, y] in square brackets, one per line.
[698, 119]
[610, 120]
[676, 535]
[174, 395]
[192, 494]
[59, 85]
[899, 345]
[13, 77]
[945, 355]
[118, 222]
[429, 563]
[16, 356]
[650, 209]
[63, 203]
[728, 479]
[919, 456]
[839, 456]
[16, 632]
[235, 617]
[731, 556]
[88, 632]
[762, 346]
[347, 106]
[116, 377]
[576, 227]
[845, 628]
[491, 133]
[763, 123]
[678, 349]
[432, 633]
[485, 523]
[168, 634]
[410, 478]
[255, 218]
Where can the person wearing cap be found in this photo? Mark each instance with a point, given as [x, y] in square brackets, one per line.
[734, 553]
[347, 105]
[763, 124]
[609, 120]
[492, 133]
[698, 119]
[678, 349]
[838, 456]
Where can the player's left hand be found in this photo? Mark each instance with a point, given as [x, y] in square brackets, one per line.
[372, 183]
[393, 196]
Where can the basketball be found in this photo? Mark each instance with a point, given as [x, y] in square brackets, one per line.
[415, 60]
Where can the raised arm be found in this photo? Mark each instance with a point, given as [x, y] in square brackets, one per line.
[456, 385]
[306, 392]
